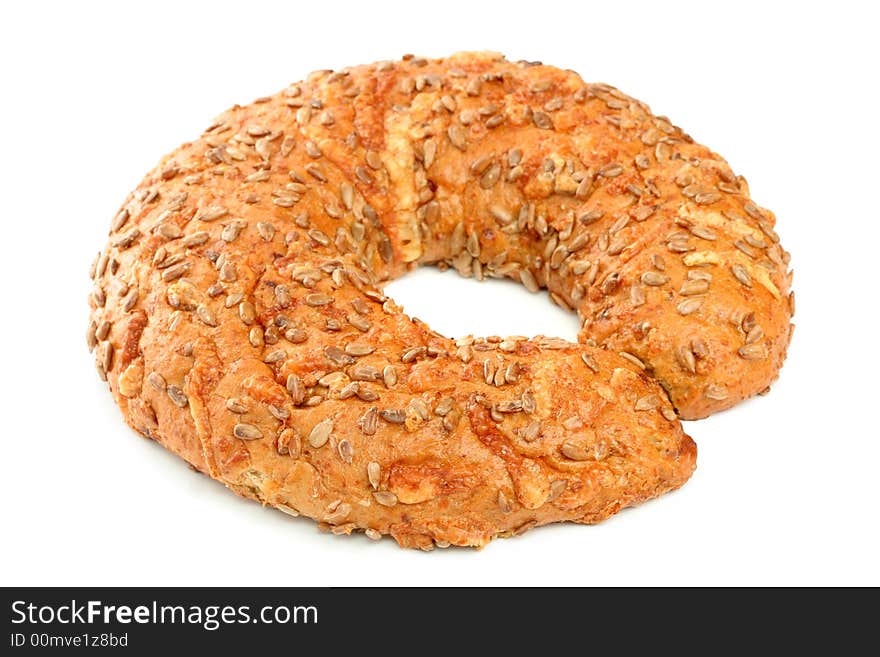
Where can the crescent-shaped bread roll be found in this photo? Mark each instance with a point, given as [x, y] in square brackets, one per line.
[238, 318]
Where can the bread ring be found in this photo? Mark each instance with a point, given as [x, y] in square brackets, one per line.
[237, 318]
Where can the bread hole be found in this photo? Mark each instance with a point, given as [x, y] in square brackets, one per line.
[456, 306]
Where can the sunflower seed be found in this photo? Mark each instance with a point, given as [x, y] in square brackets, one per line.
[575, 451]
[374, 161]
[590, 362]
[318, 236]
[175, 272]
[346, 451]
[503, 503]
[304, 114]
[120, 220]
[275, 356]
[559, 254]
[642, 161]
[359, 323]
[337, 356]
[654, 279]
[752, 352]
[195, 239]
[611, 283]
[457, 136]
[482, 163]
[530, 432]
[590, 216]
[285, 201]
[689, 306]
[365, 373]
[473, 245]
[635, 360]
[288, 510]
[490, 176]
[366, 394]
[359, 349]
[527, 402]
[419, 407]
[385, 498]
[333, 211]
[707, 198]
[91, 338]
[745, 248]
[103, 330]
[287, 145]
[467, 116]
[692, 287]
[685, 358]
[320, 433]
[277, 412]
[411, 354]
[647, 403]
[755, 334]
[177, 396]
[429, 152]
[247, 432]
[206, 315]
[374, 474]
[170, 231]
[679, 246]
[363, 175]
[369, 421]
[528, 280]
[715, 392]
[337, 512]
[255, 337]
[611, 170]
[316, 172]
[444, 406]
[741, 274]
[348, 391]
[637, 295]
[228, 272]
[389, 376]
[288, 443]
[157, 381]
[393, 415]
[542, 121]
[296, 335]
[557, 488]
[212, 213]
[104, 359]
[236, 405]
[704, 232]
[318, 299]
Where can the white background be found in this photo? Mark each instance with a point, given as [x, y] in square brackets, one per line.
[92, 95]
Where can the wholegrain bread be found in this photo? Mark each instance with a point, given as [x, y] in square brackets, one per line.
[238, 315]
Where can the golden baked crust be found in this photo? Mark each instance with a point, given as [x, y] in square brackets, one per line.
[237, 320]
